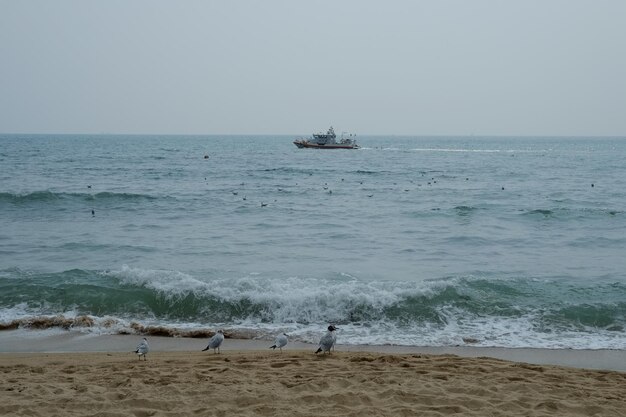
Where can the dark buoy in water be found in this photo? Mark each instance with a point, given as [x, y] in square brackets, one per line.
[503, 188]
[89, 186]
[206, 156]
[592, 185]
[93, 213]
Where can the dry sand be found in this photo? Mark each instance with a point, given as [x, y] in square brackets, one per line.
[298, 383]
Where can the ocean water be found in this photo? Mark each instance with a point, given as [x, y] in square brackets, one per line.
[491, 241]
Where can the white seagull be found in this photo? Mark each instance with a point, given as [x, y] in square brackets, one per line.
[327, 341]
[142, 349]
[280, 342]
[215, 342]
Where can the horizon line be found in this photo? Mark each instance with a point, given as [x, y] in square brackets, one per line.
[420, 135]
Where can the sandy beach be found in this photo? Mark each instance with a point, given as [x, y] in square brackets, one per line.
[247, 379]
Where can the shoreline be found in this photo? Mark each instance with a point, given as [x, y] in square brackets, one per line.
[21, 342]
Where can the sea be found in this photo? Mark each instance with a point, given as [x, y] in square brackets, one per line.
[410, 241]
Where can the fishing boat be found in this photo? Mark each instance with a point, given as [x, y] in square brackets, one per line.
[327, 140]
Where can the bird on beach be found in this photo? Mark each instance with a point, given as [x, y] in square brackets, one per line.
[280, 342]
[215, 342]
[142, 349]
[327, 341]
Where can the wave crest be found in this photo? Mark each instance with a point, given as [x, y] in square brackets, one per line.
[51, 196]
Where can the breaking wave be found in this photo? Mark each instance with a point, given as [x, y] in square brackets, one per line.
[448, 311]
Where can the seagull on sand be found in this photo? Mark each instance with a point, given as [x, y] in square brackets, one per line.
[280, 342]
[215, 342]
[142, 349]
[327, 341]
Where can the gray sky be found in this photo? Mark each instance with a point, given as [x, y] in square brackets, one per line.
[437, 67]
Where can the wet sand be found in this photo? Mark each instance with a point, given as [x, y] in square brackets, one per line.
[37, 341]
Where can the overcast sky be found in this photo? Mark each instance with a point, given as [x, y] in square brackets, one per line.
[436, 67]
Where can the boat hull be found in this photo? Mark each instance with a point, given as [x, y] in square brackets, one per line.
[306, 144]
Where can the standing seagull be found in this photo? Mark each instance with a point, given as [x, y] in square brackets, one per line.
[327, 341]
[142, 349]
[215, 342]
[280, 342]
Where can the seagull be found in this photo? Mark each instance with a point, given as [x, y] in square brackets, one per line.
[215, 342]
[142, 349]
[327, 341]
[280, 342]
